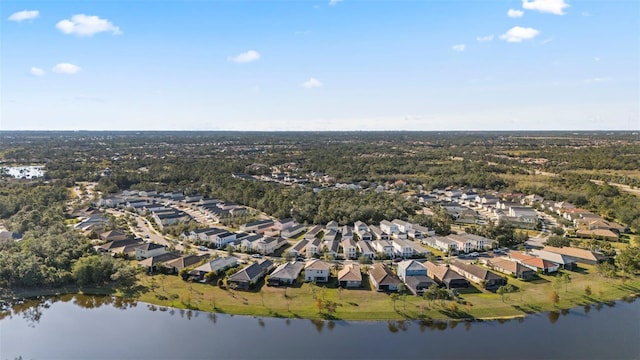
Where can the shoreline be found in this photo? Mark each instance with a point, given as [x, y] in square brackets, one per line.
[27, 294]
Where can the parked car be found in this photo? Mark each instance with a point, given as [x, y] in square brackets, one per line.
[147, 236]
[257, 256]
[203, 248]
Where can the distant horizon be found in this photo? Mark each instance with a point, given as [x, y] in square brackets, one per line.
[585, 131]
[320, 65]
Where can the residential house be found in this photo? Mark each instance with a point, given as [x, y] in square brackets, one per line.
[316, 271]
[366, 249]
[267, 244]
[462, 243]
[286, 274]
[479, 243]
[360, 226]
[402, 248]
[446, 276]
[562, 261]
[313, 247]
[346, 232]
[600, 234]
[332, 225]
[292, 231]
[410, 268]
[423, 230]
[217, 237]
[255, 226]
[330, 235]
[174, 266]
[284, 224]
[383, 279]
[389, 227]
[217, 266]
[532, 199]
[537, 263]
[250, 275]
[169, 218]
[350, 275]
[298, 248]
[125, 247]
[417, 284]
[313, 232]
[384, 246]
[580, 255]
[364, 235]
[113, 235]
[349, 248]
[510, 267]
[331, 248]
[148, 250]
[378, 233]
[477, 274]
[153, 262]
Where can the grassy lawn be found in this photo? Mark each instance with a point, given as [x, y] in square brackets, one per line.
[300, 300]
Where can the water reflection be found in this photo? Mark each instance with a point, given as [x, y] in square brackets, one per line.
[32, 310]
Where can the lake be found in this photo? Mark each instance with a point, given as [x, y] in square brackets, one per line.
[84, 327]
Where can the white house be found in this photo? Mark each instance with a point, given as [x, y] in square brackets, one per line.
[384, 246]
[316, 271]
[402, 248]
[389, 227]
[349, 248]
[148, 250]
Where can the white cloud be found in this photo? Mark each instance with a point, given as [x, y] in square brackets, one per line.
[485, 38]
[66, 68]
[312, 83]
[246, 57]
[546, 6]
[36, 71]
[596, 80]
[512, 13]
[86, 25]
[459, 47]
[585, 14]
[334, 2]
[517, 34]
[24, 15]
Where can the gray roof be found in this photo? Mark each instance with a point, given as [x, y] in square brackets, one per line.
[288, 270]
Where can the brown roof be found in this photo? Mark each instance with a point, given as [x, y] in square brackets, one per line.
[575, 252]
[184, 261]
[350, 272]
[316, 264]
[474, 270]
[382, 275]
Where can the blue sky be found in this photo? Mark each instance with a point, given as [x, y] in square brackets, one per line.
[318, 65]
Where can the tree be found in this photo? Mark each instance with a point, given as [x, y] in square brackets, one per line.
[363, 259]
[605, 269]
[229, 250]
[558, 241]
[184, 274]
[629, 260]
[401, 288]
[566, 279]
[208, 277]
[394, 298]
[587, 290]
